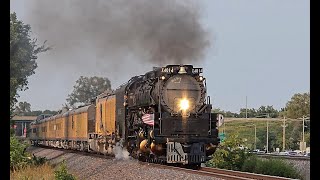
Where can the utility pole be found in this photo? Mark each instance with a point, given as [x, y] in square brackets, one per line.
[284, 134]
[246, 108]
[303, 134]
[267, 135]
[255, 136]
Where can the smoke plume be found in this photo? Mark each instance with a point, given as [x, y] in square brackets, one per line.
[150, 31]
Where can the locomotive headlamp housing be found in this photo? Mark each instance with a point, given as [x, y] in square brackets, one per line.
[184, 104]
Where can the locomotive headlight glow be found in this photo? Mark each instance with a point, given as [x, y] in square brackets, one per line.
[184, 104]
[163, 77]
[200, 78]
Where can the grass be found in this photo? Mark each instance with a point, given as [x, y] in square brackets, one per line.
[274, 167]
[42, 172]
[246, 130]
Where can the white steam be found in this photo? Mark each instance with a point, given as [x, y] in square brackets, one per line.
[120, 152]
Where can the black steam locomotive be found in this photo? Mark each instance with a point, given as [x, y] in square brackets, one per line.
[168, 116]
[162, 116]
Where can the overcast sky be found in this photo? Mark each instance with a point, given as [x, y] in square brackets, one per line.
[259, 49]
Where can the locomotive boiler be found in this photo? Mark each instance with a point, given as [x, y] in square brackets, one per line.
[168, 116]
[161, 116]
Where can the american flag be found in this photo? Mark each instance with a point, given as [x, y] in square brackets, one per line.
[148, 119]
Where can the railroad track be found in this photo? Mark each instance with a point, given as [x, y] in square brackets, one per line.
[220, 173]
[212, 172]
[84, 153]
[229, 174]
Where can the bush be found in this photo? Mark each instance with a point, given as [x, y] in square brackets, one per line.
[12, 131]
[250, 164]
[18, 157]
[62, 173]
[273, 167]
[38, 160]
[229, 155]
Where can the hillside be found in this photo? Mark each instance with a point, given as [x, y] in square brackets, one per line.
[246, 130]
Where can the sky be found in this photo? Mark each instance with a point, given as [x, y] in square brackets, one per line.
[259, 51]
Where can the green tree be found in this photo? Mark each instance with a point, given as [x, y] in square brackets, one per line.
[33, 113]
[229, 155]
[49, 112]
[298, 106]
[217, 110]
[250, 113]
[307, 138]
[87, 88]
[282, 112]
[22, 108]
[225, 113]
[268, 110]
[294, 135]
[39, 112]
[231, 114]
[273, 141]
[23, 53]
[261, 139]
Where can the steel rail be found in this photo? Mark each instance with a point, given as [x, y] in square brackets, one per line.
[240, 174]
[220, 173]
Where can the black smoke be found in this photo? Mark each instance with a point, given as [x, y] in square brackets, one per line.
[151, 31]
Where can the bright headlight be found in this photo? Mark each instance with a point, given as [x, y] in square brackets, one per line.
[184, 104]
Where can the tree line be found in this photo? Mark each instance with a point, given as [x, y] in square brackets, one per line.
[296, 107]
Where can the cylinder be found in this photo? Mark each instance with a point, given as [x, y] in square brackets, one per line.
[143, 147]
[157, 148]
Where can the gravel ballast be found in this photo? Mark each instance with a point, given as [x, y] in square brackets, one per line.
[92, 168]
